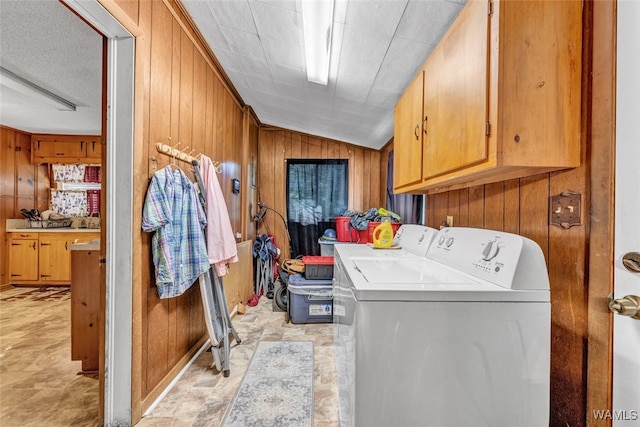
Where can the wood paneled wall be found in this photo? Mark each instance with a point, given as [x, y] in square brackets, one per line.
[278, 145]
[183, 97]
[22, 185]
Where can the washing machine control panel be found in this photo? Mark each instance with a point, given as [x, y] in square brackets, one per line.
[488, 254]
[415, 238]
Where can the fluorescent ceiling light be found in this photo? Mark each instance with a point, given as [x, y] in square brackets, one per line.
[317, 21]
[25, 87]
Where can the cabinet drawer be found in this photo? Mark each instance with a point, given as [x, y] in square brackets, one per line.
[22, 236]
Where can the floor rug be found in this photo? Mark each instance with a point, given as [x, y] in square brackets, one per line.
[42, 294]
[277, 389]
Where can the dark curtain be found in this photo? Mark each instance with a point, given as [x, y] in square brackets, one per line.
[317, 192]
[408, 206]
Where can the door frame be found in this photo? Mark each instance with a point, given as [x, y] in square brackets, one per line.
[116, 362]
[599, 132]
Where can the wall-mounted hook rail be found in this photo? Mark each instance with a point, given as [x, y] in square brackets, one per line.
[183, 155]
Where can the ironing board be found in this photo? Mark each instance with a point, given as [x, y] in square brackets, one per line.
[214, 301]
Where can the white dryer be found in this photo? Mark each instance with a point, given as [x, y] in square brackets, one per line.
[410, 241]
[460, 337]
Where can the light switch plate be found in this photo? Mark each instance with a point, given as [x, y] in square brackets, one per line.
[565, 209]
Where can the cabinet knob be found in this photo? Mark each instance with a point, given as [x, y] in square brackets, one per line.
[424, 123]
[415, 132]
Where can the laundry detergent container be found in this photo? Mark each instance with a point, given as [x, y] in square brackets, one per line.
[310, 301]
[372, 226]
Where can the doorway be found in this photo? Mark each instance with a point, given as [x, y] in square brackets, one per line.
[116, 246]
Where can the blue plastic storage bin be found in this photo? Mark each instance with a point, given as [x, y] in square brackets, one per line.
[309, 301]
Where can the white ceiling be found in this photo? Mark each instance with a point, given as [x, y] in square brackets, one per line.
[378, 46]
[43, 42]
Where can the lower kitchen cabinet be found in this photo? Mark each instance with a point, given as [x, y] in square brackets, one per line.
[23, 257]
[54, 264]
[41, 258]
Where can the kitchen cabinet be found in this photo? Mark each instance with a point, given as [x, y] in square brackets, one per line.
[54, 263]
[501, 97]
[41, 258]
[23, 257]
[455, 96]
[94, 151]
[408, 133]
[66, 149]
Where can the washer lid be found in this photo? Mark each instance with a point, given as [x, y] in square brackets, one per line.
[427, 280]
[366, 251]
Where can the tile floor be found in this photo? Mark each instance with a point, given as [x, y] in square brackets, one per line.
[40, 385]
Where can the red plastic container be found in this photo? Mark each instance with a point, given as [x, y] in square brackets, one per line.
[318, 267]
[363, 236]
[373, 225]
[345, 232]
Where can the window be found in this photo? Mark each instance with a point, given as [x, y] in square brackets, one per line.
[317, 192]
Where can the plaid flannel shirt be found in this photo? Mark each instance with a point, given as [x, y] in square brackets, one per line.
[172, 210]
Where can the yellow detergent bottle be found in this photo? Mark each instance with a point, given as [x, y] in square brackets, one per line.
[383, 235]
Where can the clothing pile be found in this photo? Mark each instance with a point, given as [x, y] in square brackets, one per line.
[360, 220]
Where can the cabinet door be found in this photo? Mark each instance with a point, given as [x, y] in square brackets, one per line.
[456, 95]
[55, 260]
[407, 138]
[94, 151]
[49, 150]
[23, 259]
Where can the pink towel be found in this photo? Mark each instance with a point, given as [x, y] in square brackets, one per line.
[221, 243]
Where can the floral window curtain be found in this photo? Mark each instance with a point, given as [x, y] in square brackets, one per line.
[408, 206]
[317, 192]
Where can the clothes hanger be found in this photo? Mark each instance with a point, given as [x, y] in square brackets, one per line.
[173, 156]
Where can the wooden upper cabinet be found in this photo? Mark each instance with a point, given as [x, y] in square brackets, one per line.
[94, 151]
[502, 95]
[407, 138]
[538, 96]
[65, 149]
[455, 95]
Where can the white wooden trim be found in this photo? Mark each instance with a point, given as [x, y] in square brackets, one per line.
[119, 209]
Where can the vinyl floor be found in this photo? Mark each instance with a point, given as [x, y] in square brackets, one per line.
[41, 386]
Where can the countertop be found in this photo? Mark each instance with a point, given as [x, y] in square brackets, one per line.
[53, 230]
[22, 226]
[93, 245]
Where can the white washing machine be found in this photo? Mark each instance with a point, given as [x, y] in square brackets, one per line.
[459, 337]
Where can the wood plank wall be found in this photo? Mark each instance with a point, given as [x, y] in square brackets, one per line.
[277, 145]
[22, 185]
[185, 98]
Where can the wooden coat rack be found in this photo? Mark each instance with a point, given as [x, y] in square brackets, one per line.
[178, 154]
